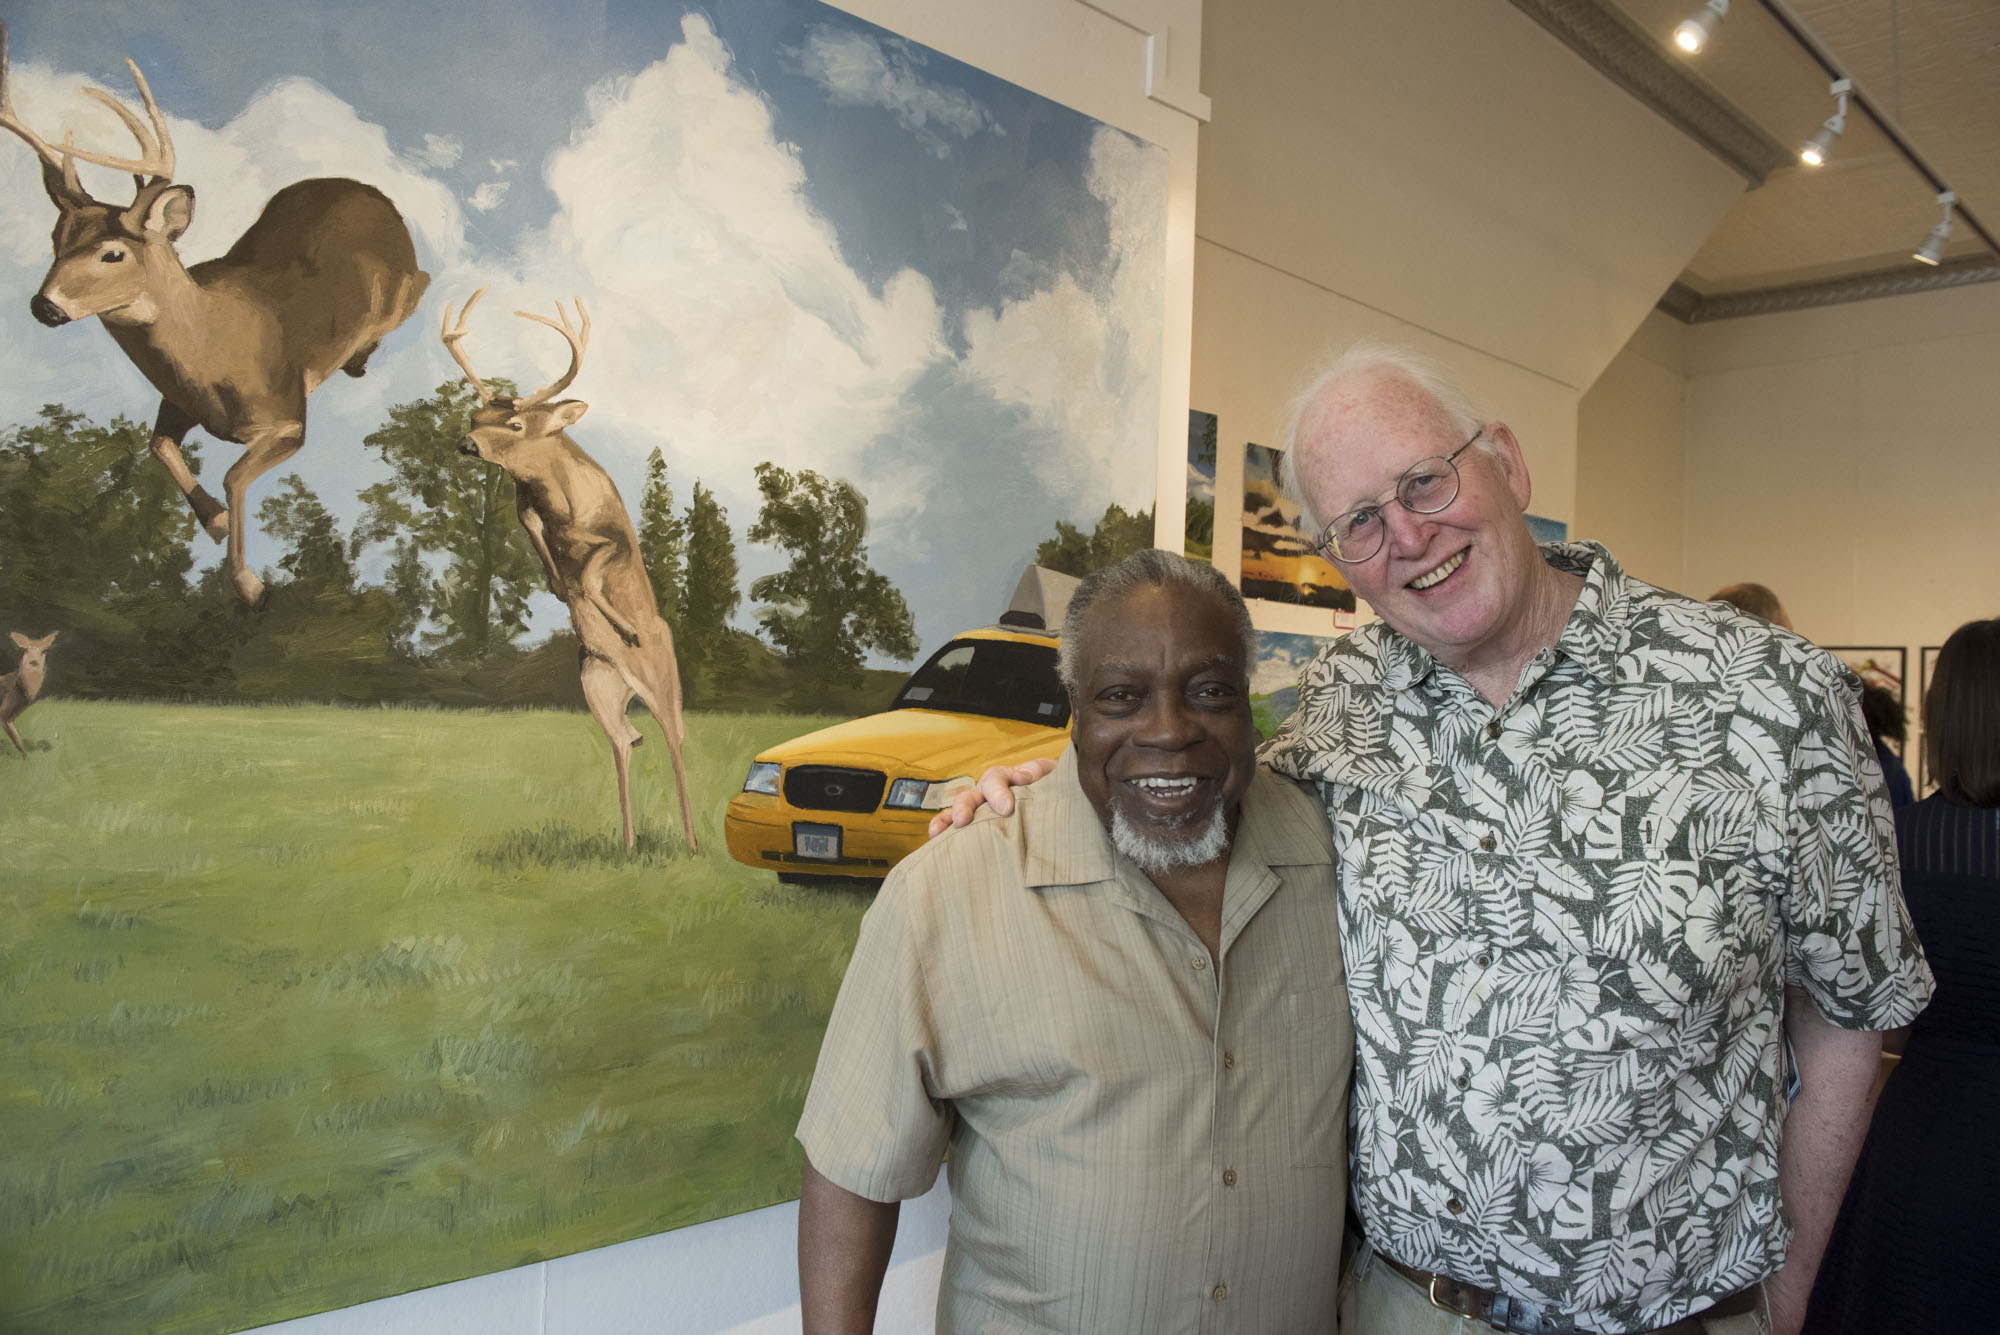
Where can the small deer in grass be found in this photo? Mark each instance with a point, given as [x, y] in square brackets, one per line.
[234, 344]
[580, 529]
[19, 688]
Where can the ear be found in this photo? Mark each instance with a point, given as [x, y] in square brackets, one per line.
[20, 639]
[47, 639]
[164, 217]
[1506, 455]
[566, 413]
[66, 192]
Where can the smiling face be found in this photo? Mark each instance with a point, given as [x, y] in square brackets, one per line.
[1161, 724]
[1459, 582]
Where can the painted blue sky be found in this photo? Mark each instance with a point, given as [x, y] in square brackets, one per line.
[800, 238]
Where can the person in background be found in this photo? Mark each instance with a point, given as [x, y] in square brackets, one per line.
[1883, 713]
[1755, 599]
[1913, 1248]
[1123, 1012]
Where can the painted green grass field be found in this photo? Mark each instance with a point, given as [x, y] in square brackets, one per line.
[303, 1006]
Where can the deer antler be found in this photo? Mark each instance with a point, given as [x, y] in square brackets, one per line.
[579, 339]
[452, 338]
[156, 146]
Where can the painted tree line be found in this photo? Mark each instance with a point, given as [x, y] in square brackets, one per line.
[95, 540]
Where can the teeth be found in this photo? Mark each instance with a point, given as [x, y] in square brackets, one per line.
[1168, 786]
[1425, 581]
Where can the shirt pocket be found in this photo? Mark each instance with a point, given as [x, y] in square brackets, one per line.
[1319, 1047]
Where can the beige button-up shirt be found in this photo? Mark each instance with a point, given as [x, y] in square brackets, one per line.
[1143, 1138]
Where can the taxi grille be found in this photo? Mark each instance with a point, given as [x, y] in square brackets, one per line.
[829, 788]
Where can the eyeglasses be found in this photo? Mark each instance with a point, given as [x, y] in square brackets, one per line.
[1426, 487]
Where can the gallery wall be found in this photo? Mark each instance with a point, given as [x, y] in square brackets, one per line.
[1847, 455]
[1631, 455]
[1436, 173]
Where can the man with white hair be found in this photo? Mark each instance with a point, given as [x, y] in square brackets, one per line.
[1605, 853]
[1122, 1012]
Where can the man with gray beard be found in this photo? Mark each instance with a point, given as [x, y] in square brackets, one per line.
[1124, 1013]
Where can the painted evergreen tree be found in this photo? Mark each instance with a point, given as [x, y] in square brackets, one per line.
[662, 538]
[708, 594]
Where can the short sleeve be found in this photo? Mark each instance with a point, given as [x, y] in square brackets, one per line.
[1850, 945]
[870, 1124]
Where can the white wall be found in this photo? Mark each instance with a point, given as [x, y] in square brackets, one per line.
[1849, 457]
[1631, 456]
[1129, 63]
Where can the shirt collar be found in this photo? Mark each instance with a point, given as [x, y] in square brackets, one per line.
[1592, 638]
[1071, 846]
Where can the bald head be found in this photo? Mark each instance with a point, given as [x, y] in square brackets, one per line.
[1359, 389]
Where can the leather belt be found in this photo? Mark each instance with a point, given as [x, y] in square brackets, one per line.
[1530, 1318]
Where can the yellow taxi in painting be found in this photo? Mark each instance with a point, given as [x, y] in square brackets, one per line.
[856, 798]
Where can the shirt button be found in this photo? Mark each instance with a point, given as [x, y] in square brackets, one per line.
[1228, 1061]
[1219, 1292]
[1489, 843]
[1493, 728]
[1229, 1177]
[1200, 962]
[1460, 1081]
[1485, 960]
[1455, 1205]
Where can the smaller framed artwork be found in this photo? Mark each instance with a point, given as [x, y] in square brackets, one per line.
[1545, 529]
[1279, 562]
[1274, 682]
[1201, 455]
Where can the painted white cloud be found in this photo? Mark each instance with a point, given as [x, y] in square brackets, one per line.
[1082, 353]
[858, 70]
[440, 150]
[957, 221]
[489, 195]
[727, 327]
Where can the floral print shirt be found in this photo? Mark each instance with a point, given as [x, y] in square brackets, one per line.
[1569, 924]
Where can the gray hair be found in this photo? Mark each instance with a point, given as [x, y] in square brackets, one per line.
[1368, 357]
[1146, 568]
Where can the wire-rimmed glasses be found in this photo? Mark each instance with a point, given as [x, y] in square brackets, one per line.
[1426, 487]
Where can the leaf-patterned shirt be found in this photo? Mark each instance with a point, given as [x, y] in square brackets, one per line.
[1568, 925]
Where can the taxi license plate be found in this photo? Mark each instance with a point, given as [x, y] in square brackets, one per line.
[820, 843]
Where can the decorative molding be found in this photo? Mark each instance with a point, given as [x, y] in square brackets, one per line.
[1161, 87]
[1690, 307]
[1635, 60]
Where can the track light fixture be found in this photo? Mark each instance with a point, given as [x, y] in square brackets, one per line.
[1693, 34]
[1932, 251]
[1815, 149]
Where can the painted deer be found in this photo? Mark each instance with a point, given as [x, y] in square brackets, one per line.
[19, 688]
[581, 531]
[234, 344]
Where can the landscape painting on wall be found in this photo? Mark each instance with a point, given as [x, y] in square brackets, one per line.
[442, 449]
[1279, 562]
[1201, 454]
[1274, 684]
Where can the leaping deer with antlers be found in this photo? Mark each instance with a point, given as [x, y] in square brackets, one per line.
[234, 344]
[581, 531]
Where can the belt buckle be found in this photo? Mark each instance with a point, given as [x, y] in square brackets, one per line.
[1432, 1293]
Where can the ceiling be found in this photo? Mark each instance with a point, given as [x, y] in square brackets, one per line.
[1807, 236]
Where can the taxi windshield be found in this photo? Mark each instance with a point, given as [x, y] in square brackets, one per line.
[998, 678]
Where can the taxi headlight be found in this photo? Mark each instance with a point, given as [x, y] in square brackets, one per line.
[763, 777]
[925, 795]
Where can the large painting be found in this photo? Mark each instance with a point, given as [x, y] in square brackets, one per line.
[439, 450]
